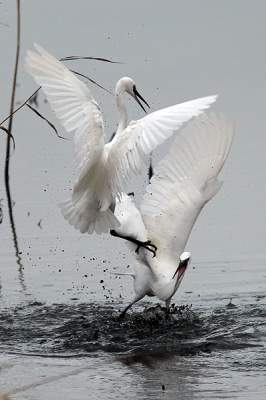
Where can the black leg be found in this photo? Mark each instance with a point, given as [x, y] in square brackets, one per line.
[137, 298]
[147, 245]
[123, 313]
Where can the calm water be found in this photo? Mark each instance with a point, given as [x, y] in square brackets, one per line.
[59, 333]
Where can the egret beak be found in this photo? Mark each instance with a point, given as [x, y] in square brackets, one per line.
[181, 269]
[137, 96]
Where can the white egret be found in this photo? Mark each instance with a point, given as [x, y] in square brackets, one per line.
[183, 182]
[103, 168]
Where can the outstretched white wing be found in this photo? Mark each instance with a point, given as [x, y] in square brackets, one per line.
[72, 102]
[132, 146]
[183, 182]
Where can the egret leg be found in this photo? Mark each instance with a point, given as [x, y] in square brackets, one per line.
[147, 245]
[137, 298]
[123, 313]
[167, 305]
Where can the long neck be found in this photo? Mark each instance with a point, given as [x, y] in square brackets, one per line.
[121, 108]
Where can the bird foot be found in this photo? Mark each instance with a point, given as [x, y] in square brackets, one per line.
[148, 246]
[121, 316]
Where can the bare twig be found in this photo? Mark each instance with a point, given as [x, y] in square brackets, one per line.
[91, 80]
[22, 105]
[33, 95]
[48, 122]
[72, 58]
[10, 134]
[9, 129]
[34, 100]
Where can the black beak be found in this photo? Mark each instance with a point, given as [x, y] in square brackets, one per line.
[137, 97]
[181, 269]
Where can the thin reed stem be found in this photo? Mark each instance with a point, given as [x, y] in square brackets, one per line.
[8, 143]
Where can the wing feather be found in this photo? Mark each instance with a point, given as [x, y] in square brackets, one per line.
[184, 181]
[133, 145]
[72, 102]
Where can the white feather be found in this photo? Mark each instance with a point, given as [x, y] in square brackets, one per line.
[103, 168]
[183, 182]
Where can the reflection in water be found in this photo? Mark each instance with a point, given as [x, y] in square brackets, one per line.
[14, 232]
[15, 238]
[175, 379]
[146, 359]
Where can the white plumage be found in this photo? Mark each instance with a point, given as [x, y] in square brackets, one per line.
[183, 182]
[103, 168]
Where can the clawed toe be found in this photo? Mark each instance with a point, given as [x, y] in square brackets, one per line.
[148, 246]
[151, 247]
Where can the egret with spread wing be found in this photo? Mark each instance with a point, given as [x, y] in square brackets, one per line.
[183, 182]
[103, 168]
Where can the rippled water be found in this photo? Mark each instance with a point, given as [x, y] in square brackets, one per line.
[66, 330]
[51, 351]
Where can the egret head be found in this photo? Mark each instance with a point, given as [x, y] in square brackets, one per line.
[128, 85]
[184, 262]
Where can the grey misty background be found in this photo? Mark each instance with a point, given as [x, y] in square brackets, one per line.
[175, 51]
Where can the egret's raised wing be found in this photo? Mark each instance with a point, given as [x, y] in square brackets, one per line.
[72, 102]
[183, 182]
[132, 146]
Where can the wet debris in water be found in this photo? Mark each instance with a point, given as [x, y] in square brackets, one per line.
[143, 339]
[231, 305]
[152, 330]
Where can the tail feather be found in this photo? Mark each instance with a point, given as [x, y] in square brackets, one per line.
[85, 220]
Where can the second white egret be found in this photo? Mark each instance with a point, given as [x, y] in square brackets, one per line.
[183, 182]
